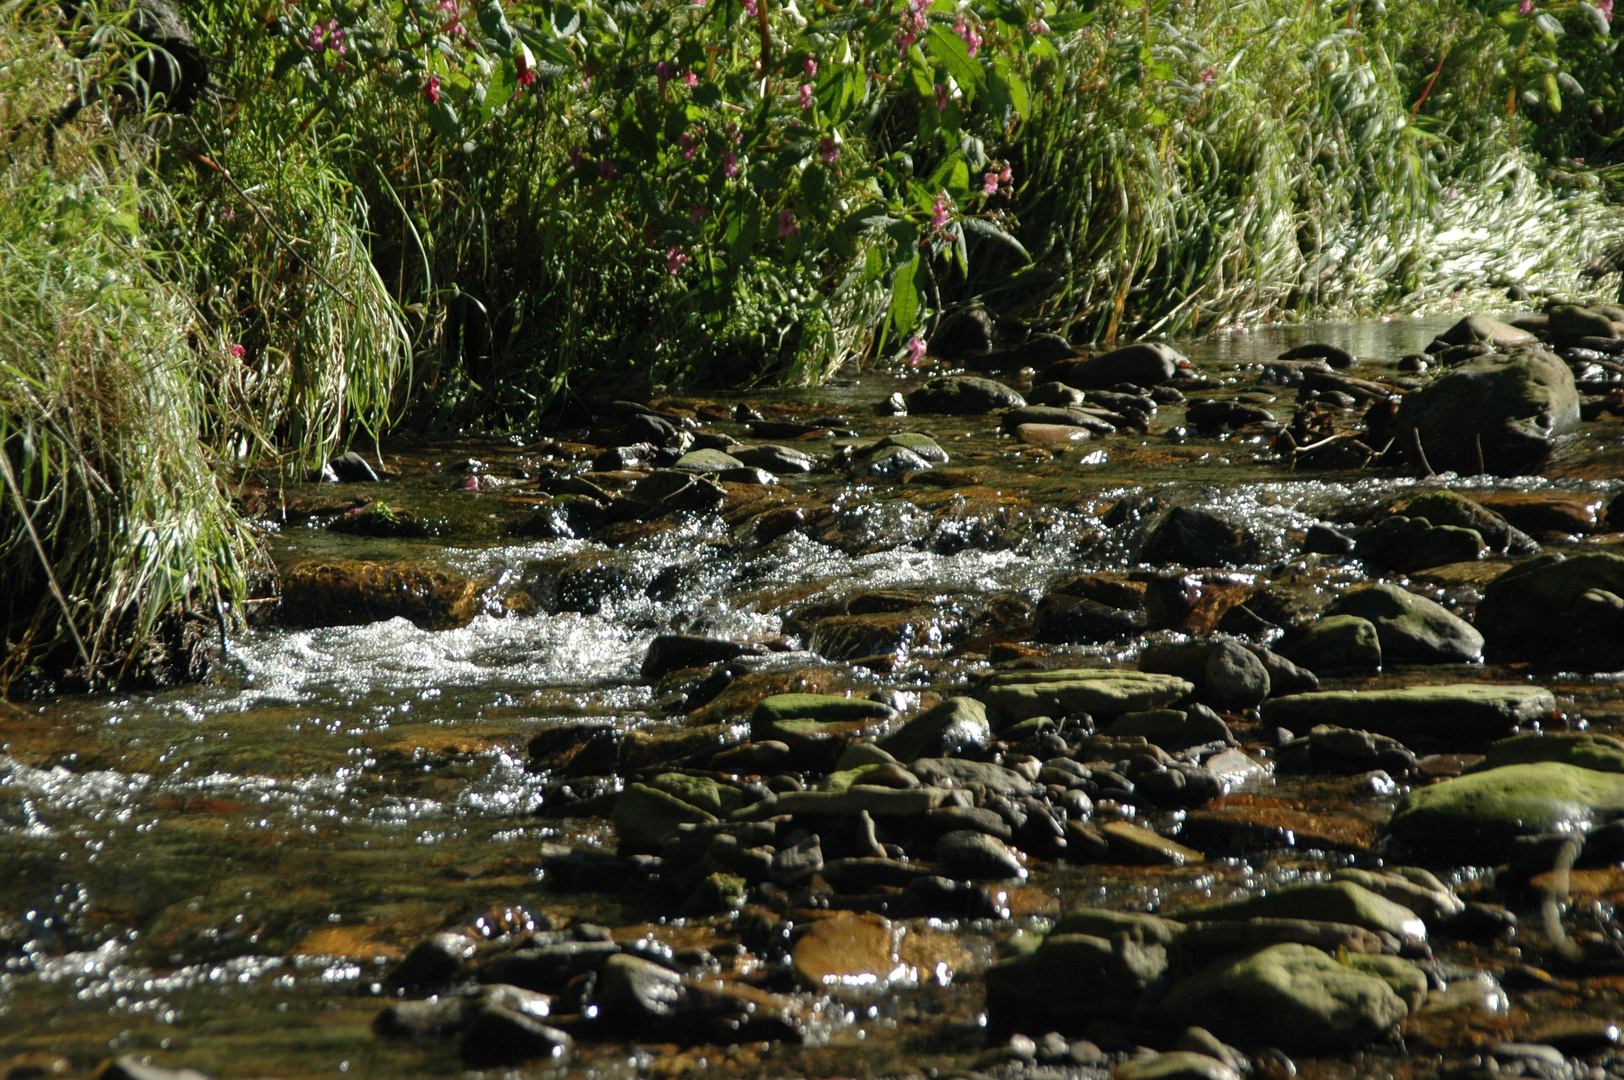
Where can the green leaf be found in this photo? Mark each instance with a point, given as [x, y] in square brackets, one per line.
[743, 229]
[873, 266]
[1069, 22]
[494, 22]
[948, 49]
[443, 119]
[984, 229]
[501, 91]
[905, 298]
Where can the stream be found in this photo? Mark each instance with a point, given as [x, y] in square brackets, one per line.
[226, 876]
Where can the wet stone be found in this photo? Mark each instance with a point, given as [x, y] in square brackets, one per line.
[1288, 995]
[961, 396]
[1176, 1065]
[847, 951]
[955, 725]
[497, 1035]
[351, 592]
[1199, 538]
[972, 854]
[1411, 628]
[1136, 846]
[1456, 715]
[1336, 643]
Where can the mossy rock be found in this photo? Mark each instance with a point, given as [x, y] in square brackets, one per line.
[1539, 612]
[1289, 995]
[1412, 628]
[700, 791]
[843, 780]
[821, 707]
[1097, 691]
[1475, 817]
[1105, 923]
[962, 396]
[707, 461]
[645, 817]
[1336, 643]
[1449, 716]
[1071, 978]
[1587, 750]
[1325, 901]
[954, 725]
[1495, 414]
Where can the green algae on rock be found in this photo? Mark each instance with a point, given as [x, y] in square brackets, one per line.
[1100, 691]
[645, 817]
[1336, 643]
[1071, 978]
[1289, 995]
[1542, 611]
[1412, 628]
[1458, 713]
[956, 724]
[1328, 901]
[1476, 816]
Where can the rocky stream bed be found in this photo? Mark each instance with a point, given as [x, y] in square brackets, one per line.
[1244, 709]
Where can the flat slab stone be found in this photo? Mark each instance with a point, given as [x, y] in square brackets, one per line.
[1098, 691]
[856, 951]
[1457, 715]
[877, 801]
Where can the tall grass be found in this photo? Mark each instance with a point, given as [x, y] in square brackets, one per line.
[155, 339]
[1272, 160]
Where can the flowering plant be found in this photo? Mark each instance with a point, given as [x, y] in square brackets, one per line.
[848, 152]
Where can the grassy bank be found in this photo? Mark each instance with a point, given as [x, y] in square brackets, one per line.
[452, 215]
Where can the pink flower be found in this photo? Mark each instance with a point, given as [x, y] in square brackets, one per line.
[750, 8]
[1606, 9]
[1006, 175]
[686, 140]
[806, 95]
[238, 351]
[939, 213]
[971, 36]
[730, 165]
[1209, 73]
[696, 213]
[941, 98]
[1037, 27]
[828, 150]
[811, 67]
[431, 89]
[675, 260]
[690, 80]
[316, 44]
[989, 184]
[335, 37]
[662, 72]
[787, 225]
[1526, 7]
[916, 350]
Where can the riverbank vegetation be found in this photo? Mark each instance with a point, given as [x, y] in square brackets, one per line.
[452, 215]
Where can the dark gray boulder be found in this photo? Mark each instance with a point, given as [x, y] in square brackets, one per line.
[1497, 414]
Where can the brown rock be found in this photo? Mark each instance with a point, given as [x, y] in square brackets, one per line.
[353, 592]
[1051, 434]
[857, 951]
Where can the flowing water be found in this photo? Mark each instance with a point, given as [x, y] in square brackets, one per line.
[219, 876]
